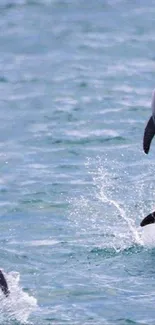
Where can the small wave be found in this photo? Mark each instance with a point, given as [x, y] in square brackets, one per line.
[44, 242]
[89, 140]
[126, 321]
[111, 252]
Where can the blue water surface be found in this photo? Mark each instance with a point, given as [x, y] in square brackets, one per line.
[76, 80]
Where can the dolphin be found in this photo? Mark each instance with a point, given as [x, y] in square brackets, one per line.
[150, 127]
[3, 284]
[148, 219]
[147, 138]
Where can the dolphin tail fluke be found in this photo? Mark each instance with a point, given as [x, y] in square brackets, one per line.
[148, 135]
[3, 284]
[149, 219]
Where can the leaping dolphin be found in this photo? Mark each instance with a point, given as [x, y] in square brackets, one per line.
[150, 127]
[148, 136]
[3, 284]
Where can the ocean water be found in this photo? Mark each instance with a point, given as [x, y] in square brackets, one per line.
[76, 80]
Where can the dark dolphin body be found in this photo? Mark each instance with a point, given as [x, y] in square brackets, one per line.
[149, 219]
[148, 136]
[3, 284]
[150, 128]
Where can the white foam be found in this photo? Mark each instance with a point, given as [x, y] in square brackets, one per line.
[19, 305]
[44, 242]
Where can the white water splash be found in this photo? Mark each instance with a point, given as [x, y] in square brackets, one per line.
[107, 183]
[111, 206]
[128, 220]
[19, 305]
